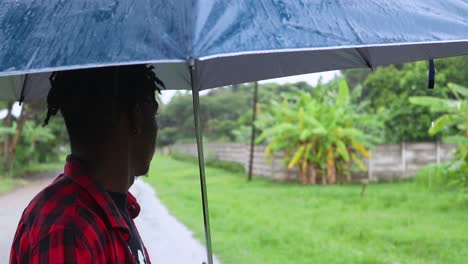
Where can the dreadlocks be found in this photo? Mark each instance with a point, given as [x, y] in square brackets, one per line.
[90, 98]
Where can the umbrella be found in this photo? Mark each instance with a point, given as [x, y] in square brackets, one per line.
[200, 44]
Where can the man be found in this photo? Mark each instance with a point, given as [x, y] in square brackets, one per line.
[86, 214]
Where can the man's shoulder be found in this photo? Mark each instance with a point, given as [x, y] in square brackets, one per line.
[63, 205]
[60, 196]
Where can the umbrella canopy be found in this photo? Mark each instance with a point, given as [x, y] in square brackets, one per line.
[228, 41]
[200, 44]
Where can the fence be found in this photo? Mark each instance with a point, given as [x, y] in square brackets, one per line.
[388, 162]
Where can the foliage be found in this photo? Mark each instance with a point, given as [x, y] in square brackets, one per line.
[266, 222]
[26, 143]
[7, 183]
[214, 163]
[319, 134]
[442, 177]
[226, 113]
[388, 89]
[226, 165]
[453, 116]
[32, 135]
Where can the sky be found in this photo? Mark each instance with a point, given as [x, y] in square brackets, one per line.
[15, 111]
[311, 78]
[166, 96]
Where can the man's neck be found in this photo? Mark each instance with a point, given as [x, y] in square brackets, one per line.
[111, 171]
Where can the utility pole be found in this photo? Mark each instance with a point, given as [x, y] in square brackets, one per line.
[252, 139]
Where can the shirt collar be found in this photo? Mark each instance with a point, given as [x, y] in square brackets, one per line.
[76, 172]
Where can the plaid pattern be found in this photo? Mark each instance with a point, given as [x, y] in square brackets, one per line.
[73, 220]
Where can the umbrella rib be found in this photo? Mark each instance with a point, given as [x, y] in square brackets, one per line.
[25, 82]
[201, 160]
[366, 60]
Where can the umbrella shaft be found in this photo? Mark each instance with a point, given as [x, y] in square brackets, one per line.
[201, 159]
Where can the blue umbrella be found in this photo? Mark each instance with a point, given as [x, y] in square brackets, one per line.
[200, 44]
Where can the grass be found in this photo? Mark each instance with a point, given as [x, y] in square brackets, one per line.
[7, 184]
[39, 168]
[267, 222]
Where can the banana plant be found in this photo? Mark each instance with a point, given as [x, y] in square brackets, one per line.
[454, 114]
[319, 134]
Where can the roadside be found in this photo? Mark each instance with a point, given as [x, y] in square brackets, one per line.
[167, 240]
[26, 174]
[12, 205]
[8, 184]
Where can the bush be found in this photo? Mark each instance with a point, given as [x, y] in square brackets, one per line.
[209, 161]
[226, 165]
[445, 176]
[183, 157]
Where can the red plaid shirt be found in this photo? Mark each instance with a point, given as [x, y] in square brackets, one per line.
[73, 220]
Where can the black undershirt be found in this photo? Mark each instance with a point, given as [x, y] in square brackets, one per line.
[135, 243]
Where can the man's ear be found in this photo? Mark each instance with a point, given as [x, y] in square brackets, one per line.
[136, 120]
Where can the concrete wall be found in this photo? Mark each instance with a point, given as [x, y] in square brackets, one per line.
[388, 162]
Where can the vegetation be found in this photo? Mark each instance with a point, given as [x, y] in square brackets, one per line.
[453, 119]
[7, 184]
[226, 112]
[319, 132]
[214, 163]
[25, 144]
[442, 177]
[265, 222]
[389, 88]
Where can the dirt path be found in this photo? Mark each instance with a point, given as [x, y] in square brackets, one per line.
[11, 208]
[167, 240]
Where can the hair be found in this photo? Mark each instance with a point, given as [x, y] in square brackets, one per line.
[90, 99]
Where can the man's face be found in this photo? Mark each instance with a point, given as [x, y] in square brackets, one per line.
[145, 140]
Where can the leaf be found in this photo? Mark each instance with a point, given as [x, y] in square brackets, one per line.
[311, 121]
[305, 156]
[441, 123]
[361, 149]
[350, 132]
[458, 89]
[357, 91]
[457, 140]
[437, 105]
[341, 148]
[297, 156]
[307, 150]
[358, 162]
[343, 94]
[301, 117]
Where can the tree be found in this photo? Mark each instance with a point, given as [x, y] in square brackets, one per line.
[23, 139]
[318, 134]
[389, 87]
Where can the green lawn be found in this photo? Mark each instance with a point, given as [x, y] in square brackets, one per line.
[7, 184]
[265, 222]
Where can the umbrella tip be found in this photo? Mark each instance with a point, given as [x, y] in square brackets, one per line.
[431, 82]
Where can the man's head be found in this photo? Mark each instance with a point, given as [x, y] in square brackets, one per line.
[108, 108]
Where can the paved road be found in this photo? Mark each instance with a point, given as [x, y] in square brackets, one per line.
[167, 240]
[11, 208]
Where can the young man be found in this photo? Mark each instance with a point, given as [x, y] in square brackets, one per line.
[86, 214]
